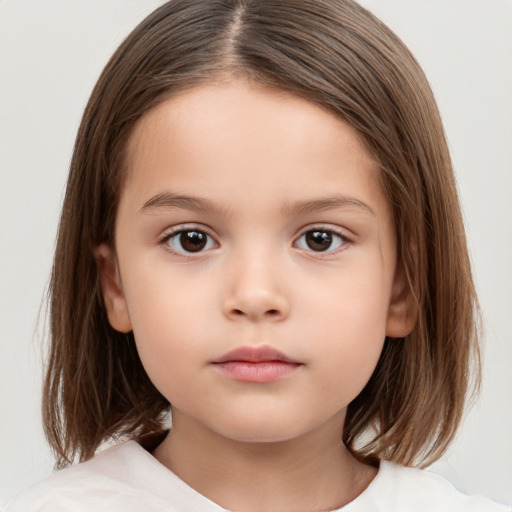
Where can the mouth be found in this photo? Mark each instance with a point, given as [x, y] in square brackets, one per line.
[256, 364]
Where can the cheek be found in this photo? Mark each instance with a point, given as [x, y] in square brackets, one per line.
[163, 298]
[168, 350]
[347, 325]
[351, 301]
[169, 320]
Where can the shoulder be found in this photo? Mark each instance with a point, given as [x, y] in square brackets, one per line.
[405, 489]
[124, 478]
[88, 486]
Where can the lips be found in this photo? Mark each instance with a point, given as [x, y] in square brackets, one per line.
[254, 355]
[256, 364]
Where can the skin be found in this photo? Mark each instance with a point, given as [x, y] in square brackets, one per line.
[274, 166]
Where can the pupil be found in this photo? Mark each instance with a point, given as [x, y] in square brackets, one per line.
[319, 240]
[193, 241]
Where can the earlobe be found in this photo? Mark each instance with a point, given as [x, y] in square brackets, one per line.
[110, 283]
[403, 311]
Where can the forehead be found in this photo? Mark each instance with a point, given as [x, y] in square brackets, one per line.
[239, 136]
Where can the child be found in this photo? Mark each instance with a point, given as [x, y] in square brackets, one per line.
[260, 228]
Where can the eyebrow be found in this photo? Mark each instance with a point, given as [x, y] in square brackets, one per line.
[327, 203]
[169, 200]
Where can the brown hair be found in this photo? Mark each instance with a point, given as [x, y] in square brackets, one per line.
[335, 54]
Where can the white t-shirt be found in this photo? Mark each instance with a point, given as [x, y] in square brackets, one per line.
[127, 478]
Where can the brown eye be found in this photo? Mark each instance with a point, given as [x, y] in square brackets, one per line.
[193, 241]
[190, 241]
[320, 240]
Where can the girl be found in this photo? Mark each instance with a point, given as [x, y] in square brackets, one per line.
[261, 235]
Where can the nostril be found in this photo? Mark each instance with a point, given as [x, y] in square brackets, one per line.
[270, 312]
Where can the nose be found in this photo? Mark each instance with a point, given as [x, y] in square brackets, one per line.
[255, 291]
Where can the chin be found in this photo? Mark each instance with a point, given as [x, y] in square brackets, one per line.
[262, 431]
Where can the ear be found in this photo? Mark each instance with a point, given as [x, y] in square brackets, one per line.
[110, 283]
[403, 311]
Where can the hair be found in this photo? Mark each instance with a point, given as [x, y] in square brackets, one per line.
[337, 55]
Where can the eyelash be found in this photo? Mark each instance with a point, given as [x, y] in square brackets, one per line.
[336, 232]
[179, 230]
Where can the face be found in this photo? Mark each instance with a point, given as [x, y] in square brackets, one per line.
[254, 259]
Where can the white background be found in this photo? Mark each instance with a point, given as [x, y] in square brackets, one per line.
[51, 53]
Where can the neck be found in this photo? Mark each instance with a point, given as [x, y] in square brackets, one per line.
[312, 472]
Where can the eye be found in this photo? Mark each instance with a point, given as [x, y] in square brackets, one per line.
[187, 241]
[320, 240]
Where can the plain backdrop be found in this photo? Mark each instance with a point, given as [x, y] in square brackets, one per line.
[51, 53]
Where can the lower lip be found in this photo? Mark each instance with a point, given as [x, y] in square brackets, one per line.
[263, 371]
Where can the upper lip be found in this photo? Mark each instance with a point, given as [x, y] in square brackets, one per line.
[255, 355]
